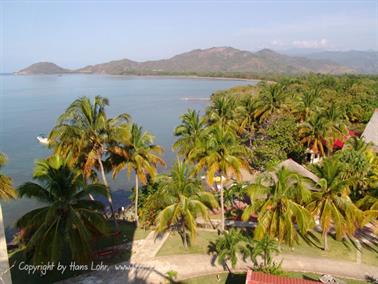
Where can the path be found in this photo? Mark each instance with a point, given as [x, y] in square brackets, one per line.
[147, 248]
[191, 265]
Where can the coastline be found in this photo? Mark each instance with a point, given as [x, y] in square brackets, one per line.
[147, 76]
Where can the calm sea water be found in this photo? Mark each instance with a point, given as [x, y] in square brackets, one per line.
[30, 105]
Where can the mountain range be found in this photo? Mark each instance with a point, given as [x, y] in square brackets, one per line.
[226, 60]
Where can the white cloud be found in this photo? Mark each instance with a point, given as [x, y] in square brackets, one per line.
[277, 43]
[321, 43]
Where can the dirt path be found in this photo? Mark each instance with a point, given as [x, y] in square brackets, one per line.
[152, 269]
[199, 264]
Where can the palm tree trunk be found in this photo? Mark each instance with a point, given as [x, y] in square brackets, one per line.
[136, 199]
[184, 234]
[227, 267]
[325, 236]
[110, 200]
[222, 206]
[90, 195]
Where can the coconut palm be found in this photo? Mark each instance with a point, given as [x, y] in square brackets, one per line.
[307, 103]
[278, 201]
[331, 203]
[133, 151]
[359, 167]
[221, 155]
[188, 132]
[315, 134]
[245, 118]
[228, 246]
[82, 132]
[222, 111]
[183, 199]
[272, 99]
[69, 220]
[6, 189]
[334, 114]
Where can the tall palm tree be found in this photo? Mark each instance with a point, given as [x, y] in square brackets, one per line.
[278, 202]
[315, 134]
[133, 150]
[221, 155]
[307, 103]
[82, 132]
[69, 220]
[222, 110]
[331, 203]
[188, 132]
[245, 118]
[272, 99]
[6, 189]
[183, 199]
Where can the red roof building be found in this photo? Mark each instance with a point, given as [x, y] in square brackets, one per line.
[264, 278]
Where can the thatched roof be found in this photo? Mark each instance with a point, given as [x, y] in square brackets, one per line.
[370, 134]
[293, 166]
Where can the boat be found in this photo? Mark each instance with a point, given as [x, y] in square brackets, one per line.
[43, 139]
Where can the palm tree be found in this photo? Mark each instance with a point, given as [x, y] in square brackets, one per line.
[278, 203]
[69, 219]
[221, 155]
[264, 249]
[314, 134]
[359, 167]
[183, 199]
[331, 203]
[82, 132]
[307, 103]
[222, 110]
[272, 99]
[189, 132]
[6, 189]
[228, 246]
[245, 119]
[133, 150]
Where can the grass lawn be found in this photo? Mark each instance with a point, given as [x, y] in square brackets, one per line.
[338, 250]
[173, 245]
[239, 278]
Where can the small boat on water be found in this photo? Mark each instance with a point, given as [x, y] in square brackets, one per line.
[195, 99]
[43, 139]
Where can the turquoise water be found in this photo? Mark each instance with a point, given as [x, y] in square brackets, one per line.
[30, 105]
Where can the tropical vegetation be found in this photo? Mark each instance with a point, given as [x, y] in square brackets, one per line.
[228, 165]
[6, 188]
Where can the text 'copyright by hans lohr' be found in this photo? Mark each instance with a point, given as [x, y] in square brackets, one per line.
[44, 268]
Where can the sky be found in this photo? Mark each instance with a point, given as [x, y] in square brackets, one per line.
[73, 34]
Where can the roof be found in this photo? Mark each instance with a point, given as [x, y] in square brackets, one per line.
[293, 166]
[254, 277]
[370, 133]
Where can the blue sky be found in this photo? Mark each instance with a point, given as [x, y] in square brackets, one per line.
[77, 33]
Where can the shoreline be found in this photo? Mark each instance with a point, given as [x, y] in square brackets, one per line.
[148, 76]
